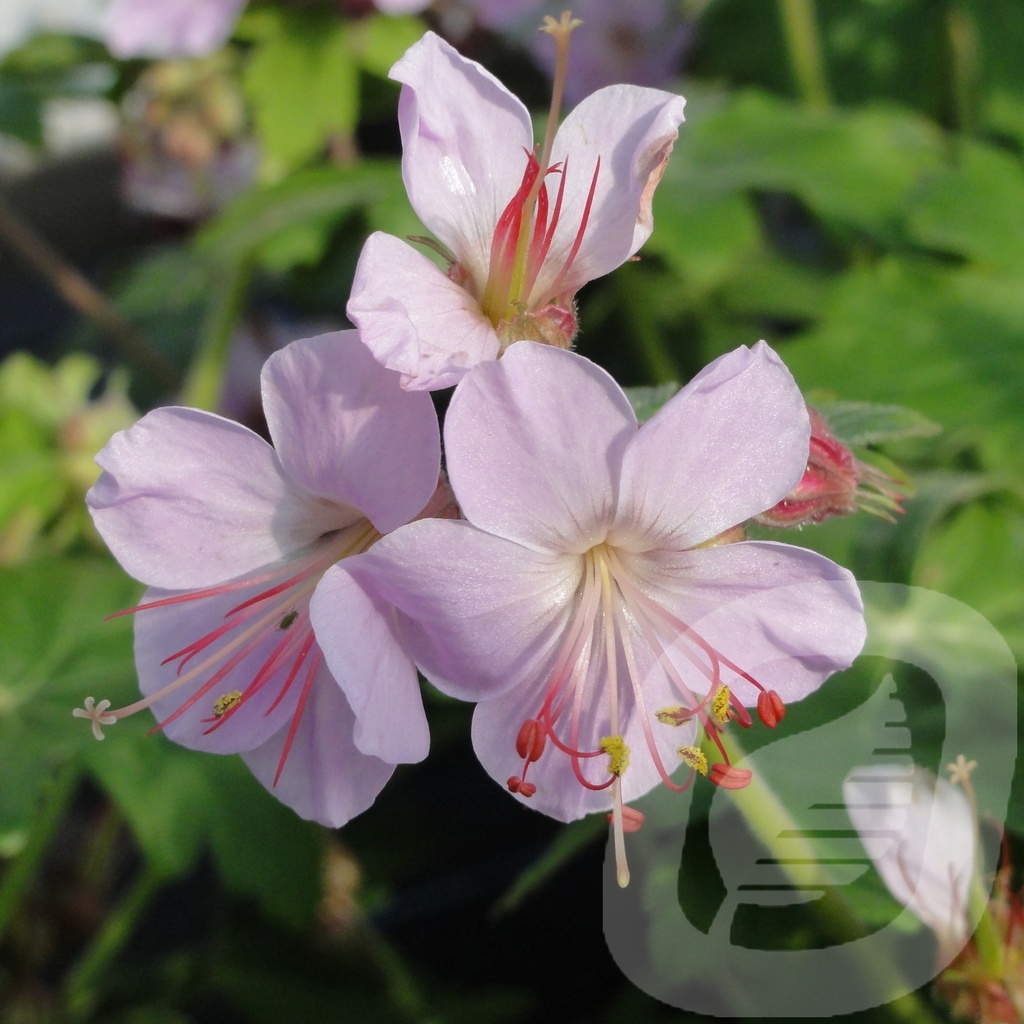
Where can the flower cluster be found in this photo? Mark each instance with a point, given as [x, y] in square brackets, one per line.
[583, 578]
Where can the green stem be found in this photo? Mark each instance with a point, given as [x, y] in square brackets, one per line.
[805, 54]
[206, 378]
[81, 986]
[963, 49]
[797, 858]
[49, 815]
[402, 987]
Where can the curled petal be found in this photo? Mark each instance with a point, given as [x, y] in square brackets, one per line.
[464, 144]
[632, 130]
[414, 318]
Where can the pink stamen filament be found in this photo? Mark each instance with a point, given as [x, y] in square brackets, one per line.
[566, 688]
[294, 591]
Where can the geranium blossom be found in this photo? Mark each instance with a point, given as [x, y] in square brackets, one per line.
[189, 28]
[919, 832]
[521, 231]
[245, 550]
[584, 602]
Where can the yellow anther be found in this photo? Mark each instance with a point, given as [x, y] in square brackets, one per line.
[223, 704]
[694, 757]
[674, 716]
[618, 754]
[720, 704]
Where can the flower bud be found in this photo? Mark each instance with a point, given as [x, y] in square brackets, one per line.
[835, 483]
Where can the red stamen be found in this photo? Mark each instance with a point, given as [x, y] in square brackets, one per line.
[556, 287]
[770, 708]
[307, 685]
[729, 776]
[632, 819]
[531, 739]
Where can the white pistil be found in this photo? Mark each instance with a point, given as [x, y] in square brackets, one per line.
[97, 715]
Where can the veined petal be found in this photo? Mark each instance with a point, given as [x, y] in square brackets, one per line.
[486, 613]
[325, 778]
[414, 318]
[346, 431]
[188, 499]
[731, 444]
[358, 635]
[919, 831]
[787, 616]
[464, 143]
[533, 443]
[559, 792]
[162, 632]
[631, 130]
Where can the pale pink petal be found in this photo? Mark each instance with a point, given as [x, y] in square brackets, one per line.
[731, 444]
[169, 28]
[188, 499]
[162, 632]
[486, 613]
[787, 616]
[919, 831]
[533, 444]
[559, 793]
[631, 131]
[325, 778]
[358, 635]
[465, 140]
[346, 432]
[414, 318]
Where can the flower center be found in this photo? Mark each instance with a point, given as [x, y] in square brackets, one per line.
[598, 666]
[264, 640]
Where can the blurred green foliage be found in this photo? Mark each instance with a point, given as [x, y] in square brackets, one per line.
[866, 217]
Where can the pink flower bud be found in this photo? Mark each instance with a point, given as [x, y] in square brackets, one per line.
[835, 483]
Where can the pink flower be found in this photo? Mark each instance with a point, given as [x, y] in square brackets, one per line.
[253, 630]
[189, 28]
[169, 28]
[919, 831]
[577, 603]
[521, 232]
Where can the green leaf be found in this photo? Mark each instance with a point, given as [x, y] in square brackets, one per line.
[378, 41]
[56, 651]
[944, 341]
[854, 168]
[302, 81]
[646, 401]
[974, 208]
[265, 223]
[180, 802]
[977, 556]
[862, 423]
